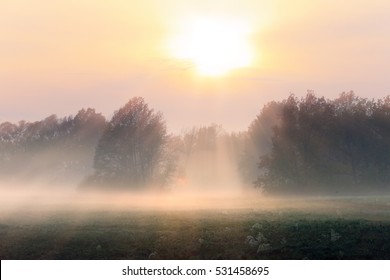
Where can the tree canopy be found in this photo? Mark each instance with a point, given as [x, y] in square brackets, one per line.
[130, 151]
[298, 145]
[53, 149]
[340, 145]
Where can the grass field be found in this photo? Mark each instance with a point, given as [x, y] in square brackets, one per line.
[315, 228]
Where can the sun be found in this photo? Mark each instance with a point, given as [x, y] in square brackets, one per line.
[214, 47]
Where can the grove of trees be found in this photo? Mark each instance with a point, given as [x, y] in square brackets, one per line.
[330, 146]
[51, 150]
[130, 150]
[298, 145]
[208, 157]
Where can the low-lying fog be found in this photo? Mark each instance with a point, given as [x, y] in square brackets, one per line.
[40, 201]
[66, 198]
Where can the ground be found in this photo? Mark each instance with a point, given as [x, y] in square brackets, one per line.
[331, 228]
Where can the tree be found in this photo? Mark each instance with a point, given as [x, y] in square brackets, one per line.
[208, 158]
[55, 150]
[339, 145]
[380, 124]
[130, 151]
[257, 141]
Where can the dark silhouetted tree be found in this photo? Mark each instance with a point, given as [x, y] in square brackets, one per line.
[339, 145]
[130, 151]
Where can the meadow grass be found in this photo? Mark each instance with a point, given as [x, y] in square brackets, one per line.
[327, 228]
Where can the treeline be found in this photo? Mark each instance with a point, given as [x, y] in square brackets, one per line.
[133, 150]
[58, 150]
[298, 145]
[331, 146]
[136, 151]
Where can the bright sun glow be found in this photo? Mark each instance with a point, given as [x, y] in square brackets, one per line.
[214, 47]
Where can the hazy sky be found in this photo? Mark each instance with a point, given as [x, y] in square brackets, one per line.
[60, 56]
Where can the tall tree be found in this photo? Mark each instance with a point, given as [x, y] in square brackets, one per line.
[130, 150]
[329, 145]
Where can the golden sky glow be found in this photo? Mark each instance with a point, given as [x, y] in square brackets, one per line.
[214, 46]
[223, 58]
